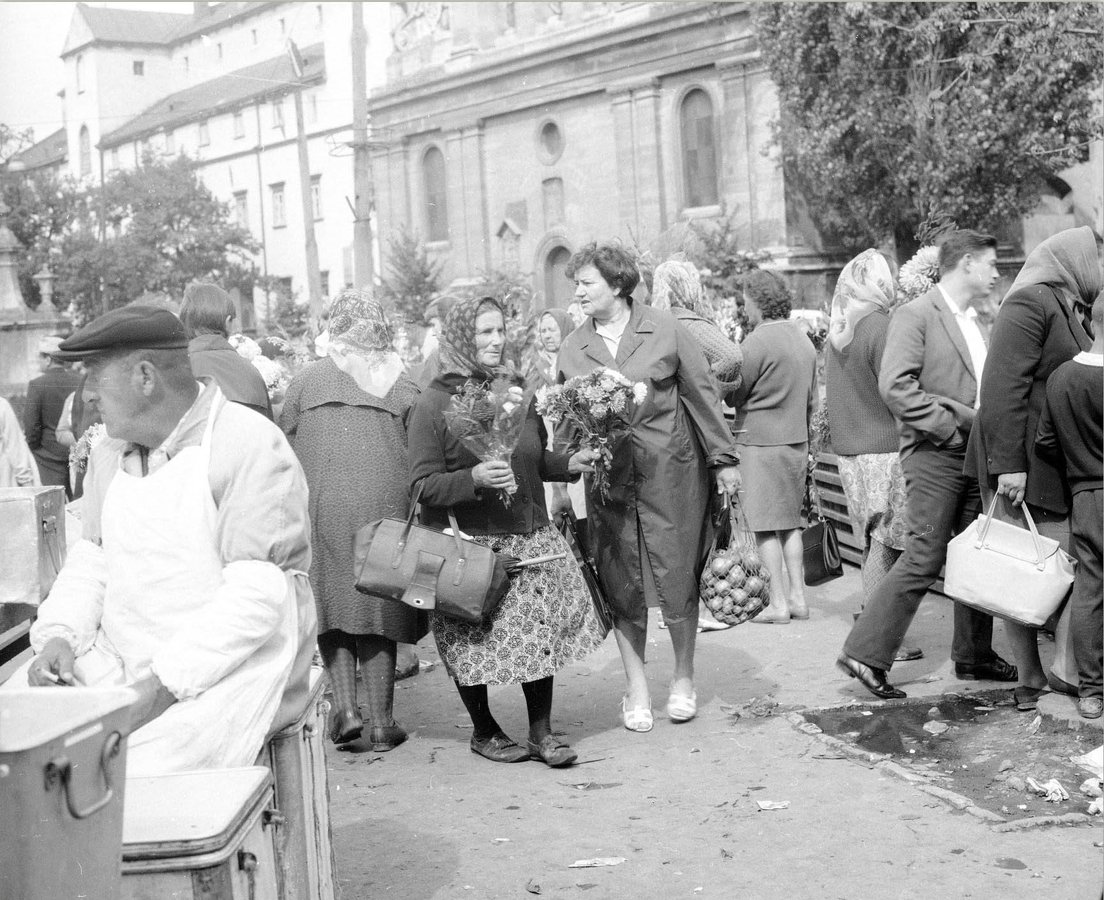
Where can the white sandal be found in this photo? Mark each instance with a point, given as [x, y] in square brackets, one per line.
[681, 708]
[638, 718]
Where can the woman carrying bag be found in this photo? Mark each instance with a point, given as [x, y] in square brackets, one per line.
[547, 619]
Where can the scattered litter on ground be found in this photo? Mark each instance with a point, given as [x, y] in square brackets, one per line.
[1033, 728]
[1008, 862]
[597, 862]
[1091, 787]
[593, 785]
[936, 727]
[772, 804]
[502, 840]
[928, 679]
[1092, 762]
[1051, 790]
[426, 665]
[532, 887]
[755, 708]
[1096, 807]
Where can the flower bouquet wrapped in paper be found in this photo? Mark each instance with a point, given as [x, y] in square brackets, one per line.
[596, 404]
[488, 420]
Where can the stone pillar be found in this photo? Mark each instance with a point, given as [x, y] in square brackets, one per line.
[651, 192]
[622, 113]
[474, 204]
[737, 180]
[458, 212]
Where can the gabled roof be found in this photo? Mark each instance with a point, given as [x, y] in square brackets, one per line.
[221, 95]
[50, 151]
[137, 27]
[127, 26]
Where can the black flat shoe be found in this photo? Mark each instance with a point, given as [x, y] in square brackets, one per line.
[994, 670]
[874, 680]
[499, 748]
[386, 737]
[346, 726]
[552, 753]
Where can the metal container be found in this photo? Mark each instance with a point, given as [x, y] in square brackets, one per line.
[203, 834]
[62, 779]
[297, 758]
[32, 542]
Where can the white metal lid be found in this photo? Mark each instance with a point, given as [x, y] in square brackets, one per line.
[31, 717]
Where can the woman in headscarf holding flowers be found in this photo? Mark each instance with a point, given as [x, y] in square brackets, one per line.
[863, 430]
[1043, 322]
[547, 619]
[346, 416]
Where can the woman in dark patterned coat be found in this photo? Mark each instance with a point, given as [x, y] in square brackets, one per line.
[345, 416]
[547, 619]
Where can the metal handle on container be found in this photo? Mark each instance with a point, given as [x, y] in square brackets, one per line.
[59, 771]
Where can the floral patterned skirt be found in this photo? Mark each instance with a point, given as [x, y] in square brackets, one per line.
[875, 488]
[546, 621]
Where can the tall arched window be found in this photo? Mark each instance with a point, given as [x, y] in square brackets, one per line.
[699, 151]
[558, 291]
[436, 196]
[85, 152]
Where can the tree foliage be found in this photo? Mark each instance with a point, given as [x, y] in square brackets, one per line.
[413, 279]
[152, 229]
[890, 110]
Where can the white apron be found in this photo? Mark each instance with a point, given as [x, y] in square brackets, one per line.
[163, 568]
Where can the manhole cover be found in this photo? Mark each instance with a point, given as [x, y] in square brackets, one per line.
[978, 746]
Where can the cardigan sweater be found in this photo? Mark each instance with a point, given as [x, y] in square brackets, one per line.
[1071, 426]
[858, 418]
[776, 401]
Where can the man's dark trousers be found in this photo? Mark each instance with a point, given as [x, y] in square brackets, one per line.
[940, 502]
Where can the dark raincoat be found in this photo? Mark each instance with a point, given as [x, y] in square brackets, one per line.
[660, 485]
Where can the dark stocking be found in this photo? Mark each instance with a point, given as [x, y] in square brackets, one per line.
[377, 668]
[538, 702]
[479, 708]
[339, 656]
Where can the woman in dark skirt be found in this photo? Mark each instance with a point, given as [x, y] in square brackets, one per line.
[774, 407]
[345, 416]
[547, 619]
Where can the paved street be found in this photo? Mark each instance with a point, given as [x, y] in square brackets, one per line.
[431, 820]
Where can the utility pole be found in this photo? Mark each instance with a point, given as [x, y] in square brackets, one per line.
[363, 275]
[314, 276]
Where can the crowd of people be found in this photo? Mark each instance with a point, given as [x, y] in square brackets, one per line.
[240, 514]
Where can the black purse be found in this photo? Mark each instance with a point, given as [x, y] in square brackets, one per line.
[569, 528]
[428, 569]
[820, 547]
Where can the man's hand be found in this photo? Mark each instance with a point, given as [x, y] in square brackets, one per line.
[582, 461]
[153, 699]
[53, 666]
[1013, 485]
[728, 480]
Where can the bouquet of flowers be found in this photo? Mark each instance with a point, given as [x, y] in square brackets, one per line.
[82, 449]
[274, 373]
[488, 421]
[595, 404]
[919, 274]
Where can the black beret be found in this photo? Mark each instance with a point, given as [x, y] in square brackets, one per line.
[135, 327]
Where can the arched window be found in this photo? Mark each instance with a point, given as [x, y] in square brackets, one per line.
[85, 152]
[436, 196]
[558, 291]
[699, 151]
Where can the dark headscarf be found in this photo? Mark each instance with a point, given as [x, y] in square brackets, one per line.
[562, 318]
[457, 347]
[1067, 261]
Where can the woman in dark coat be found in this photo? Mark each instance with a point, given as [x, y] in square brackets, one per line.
[345, 416]
[1042, 323]
[547, 619]
[774, 407]
[651, 538]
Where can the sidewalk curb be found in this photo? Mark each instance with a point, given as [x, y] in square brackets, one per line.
[883, 762]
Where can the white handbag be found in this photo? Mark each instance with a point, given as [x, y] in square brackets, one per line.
[1008, 571]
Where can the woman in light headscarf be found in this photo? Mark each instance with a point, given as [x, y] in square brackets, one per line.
[863, 430]
[677, 286]
[547, 618]
[553, 325]
[346, 417]
[1042, 322]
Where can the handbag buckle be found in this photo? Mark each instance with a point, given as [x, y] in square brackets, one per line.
[397, 559]
[461, 564]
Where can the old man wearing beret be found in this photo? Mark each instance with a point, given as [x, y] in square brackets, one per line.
[189, 582]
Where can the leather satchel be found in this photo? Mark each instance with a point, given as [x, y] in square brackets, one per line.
[820, 545]
[1007, 571]
[429, 569]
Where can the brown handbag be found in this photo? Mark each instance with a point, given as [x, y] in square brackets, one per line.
[428, 569]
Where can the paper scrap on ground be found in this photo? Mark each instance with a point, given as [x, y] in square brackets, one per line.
[1052, 791]
[773, 804]
[1092, 762]
[597, 862]
[935, 727]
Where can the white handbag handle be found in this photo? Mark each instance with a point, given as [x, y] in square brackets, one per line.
[1040, 562]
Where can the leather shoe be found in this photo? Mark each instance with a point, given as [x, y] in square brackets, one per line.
[499, 748]
[346, 726]
[874, 680]
[552, 753]
[386, 737]
[994, 670]
[908, 654]
[1090, 707]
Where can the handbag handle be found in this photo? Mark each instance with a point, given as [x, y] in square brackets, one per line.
[1040, 563]
[461, 559]
[813, 495]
